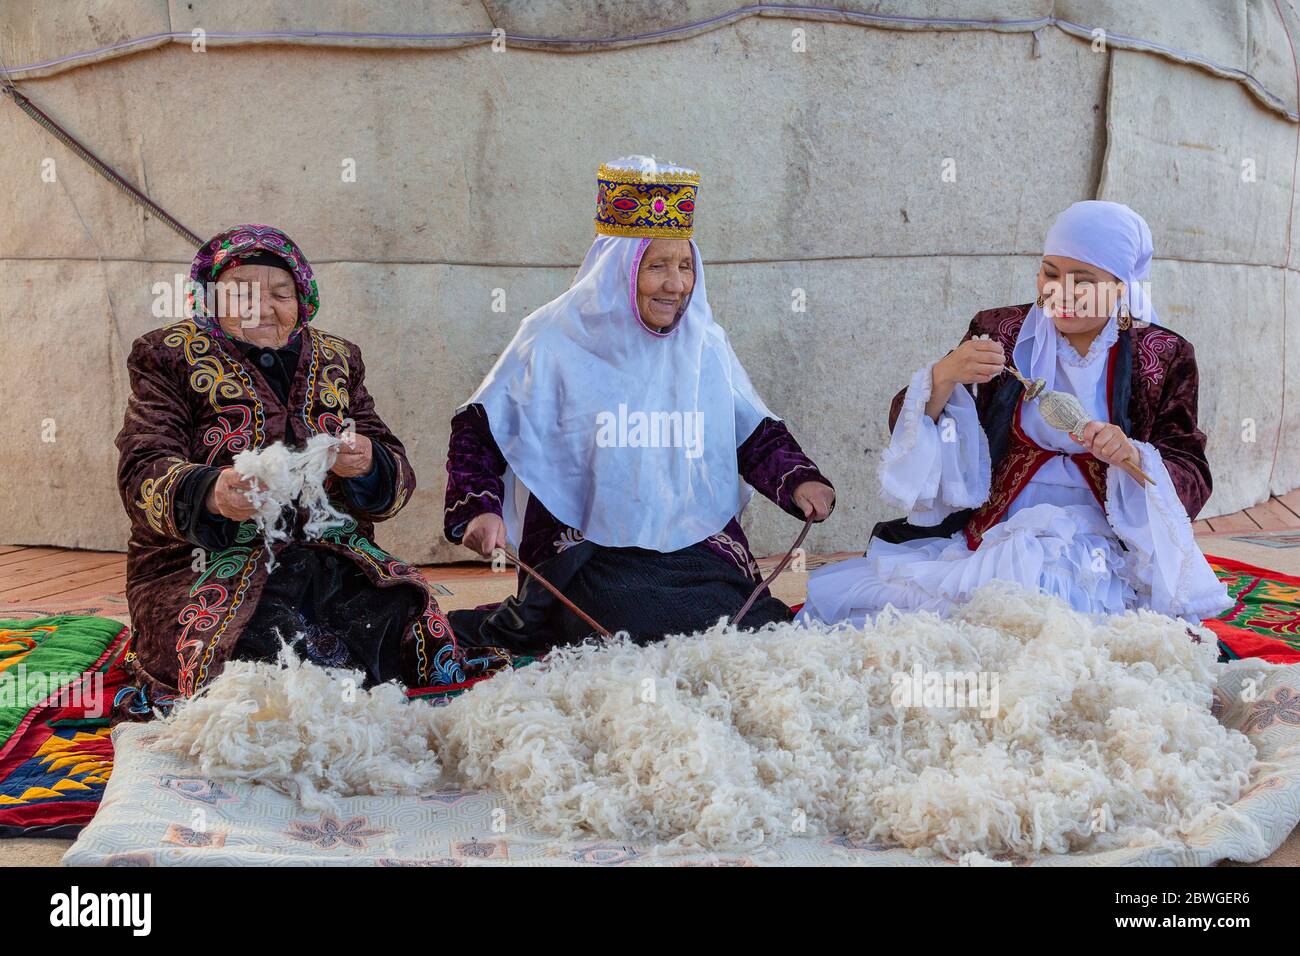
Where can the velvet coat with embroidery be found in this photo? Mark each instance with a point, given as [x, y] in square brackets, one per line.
[1152, 388]
[196, 402]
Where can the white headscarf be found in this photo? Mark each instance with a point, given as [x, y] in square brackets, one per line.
[575, 375]
[1113, 237]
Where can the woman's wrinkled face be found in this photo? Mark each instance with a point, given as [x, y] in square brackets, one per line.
[664, 281]
[1078, 296]
[257, 304]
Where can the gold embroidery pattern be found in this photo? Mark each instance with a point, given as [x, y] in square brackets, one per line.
[226, 385]
[400, 497]
[1094, 472]
[327, 383]
[210, 378]
[327, 386]
[1018, 466]
[156, 497]
[240, 590]
[633, 203]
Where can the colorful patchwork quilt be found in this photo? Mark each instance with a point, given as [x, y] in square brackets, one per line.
[58, 676]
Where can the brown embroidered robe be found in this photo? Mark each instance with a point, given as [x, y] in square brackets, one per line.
[195, 403]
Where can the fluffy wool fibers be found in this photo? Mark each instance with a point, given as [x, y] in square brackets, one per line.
[1102, 735]
[305, 730]
[285, 477]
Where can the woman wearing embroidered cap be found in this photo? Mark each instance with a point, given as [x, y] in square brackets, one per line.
[993, 490]
[616, 440]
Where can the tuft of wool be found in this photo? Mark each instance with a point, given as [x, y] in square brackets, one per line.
[283, 478]
[307, 731]
[1102, 736]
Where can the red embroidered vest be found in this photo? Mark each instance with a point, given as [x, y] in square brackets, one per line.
[1021, 462]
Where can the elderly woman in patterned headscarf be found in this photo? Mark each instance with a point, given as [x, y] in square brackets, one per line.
[244, 370]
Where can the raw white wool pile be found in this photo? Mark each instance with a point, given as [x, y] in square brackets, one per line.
[1102, 738]
[305, 730]
[285, 477]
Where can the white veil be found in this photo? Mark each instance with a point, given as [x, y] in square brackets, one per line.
[627, 434]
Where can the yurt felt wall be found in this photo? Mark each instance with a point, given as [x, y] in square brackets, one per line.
[869, 183]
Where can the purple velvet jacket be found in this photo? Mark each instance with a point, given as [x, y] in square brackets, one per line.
[1153, 399]
[769, 459]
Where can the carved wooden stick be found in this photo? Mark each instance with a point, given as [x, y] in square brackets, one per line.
[772, 577]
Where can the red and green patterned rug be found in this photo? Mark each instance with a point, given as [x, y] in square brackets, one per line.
[58, 679]
[58, 676]
[1265, 621]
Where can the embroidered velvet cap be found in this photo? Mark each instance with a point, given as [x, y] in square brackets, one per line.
[638, 196]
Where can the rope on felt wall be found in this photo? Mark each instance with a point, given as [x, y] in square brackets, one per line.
[93, 161]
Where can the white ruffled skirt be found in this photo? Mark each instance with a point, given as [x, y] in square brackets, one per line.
[1068, 551]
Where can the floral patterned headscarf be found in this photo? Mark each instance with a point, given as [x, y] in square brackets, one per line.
[231, 247]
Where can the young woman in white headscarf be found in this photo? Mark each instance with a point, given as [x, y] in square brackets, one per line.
[992, 490]
[617, 440]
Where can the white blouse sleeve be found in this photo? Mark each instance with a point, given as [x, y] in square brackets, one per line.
[932, 469]
[1163, 558]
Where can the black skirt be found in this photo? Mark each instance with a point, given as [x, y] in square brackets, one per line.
[325, 607]
[648, 594]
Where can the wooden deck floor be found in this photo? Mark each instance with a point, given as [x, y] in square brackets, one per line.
[1281, 513]
[34, 575]
[62, 578]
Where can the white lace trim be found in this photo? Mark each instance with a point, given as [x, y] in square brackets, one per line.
[1107, 337]
[956, 492]
[952, 494]
[1169, 511]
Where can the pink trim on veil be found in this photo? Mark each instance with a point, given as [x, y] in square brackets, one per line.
[631, 293]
